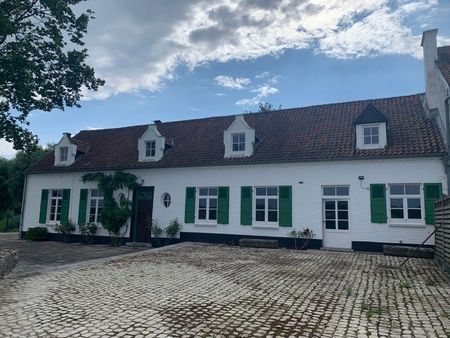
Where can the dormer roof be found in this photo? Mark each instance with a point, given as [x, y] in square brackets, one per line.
[370, 114]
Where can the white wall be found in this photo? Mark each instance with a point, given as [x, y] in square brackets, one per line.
[307, 205]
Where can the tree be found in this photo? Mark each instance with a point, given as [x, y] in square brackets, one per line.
[5, 198]
[42, 63]
[266, 107]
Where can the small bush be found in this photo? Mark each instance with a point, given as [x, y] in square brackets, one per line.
[65, 228]
[88, 231]
[13, 223]
[37, 234]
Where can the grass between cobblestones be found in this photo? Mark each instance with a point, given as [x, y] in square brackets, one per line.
[221, 291]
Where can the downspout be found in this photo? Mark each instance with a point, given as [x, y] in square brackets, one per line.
[22, 209]
[447, 129]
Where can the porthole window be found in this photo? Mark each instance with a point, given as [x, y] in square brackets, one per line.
[166, 199]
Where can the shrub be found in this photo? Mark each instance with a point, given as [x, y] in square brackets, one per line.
[88, 231]
[173, 229]
[37, 234]
[13, 223]
[65, 228]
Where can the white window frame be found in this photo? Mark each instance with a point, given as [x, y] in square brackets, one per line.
[58, 204]
[266, 206]
[382, 136]
[208, 198]
[405, 220]
[150, 151]
[96, 199]
[238, 142]
[336, 198]
[63, 154]
[371, 136]
[166, 197]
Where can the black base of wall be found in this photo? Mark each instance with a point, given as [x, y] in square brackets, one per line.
[378, 247]
[75, 238]
[234, 239]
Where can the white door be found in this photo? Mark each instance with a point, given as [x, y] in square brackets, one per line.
[336, 223]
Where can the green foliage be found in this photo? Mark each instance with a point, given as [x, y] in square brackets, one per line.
[9, 222]
[307, 234]
[155, 228]
[173, 229]
[65, 228]
[37, 234]
[42, 64]
[114, 215]
[88, 231]
[170, 232]
[405, 285]
[370, 311]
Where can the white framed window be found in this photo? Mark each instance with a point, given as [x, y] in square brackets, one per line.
[54, 210]
[95, 206]
[166, 199]
[63, 154]
[150, 148]
[371, 135]
[207, 205]
[238, 142]
[266, 205]
[405, 202]
[336, 207]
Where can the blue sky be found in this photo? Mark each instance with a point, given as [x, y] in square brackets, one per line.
[191, 59]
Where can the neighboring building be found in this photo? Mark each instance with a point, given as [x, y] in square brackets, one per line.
[359, 174]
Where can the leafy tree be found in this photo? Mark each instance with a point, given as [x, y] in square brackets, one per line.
[114, 214]
[42, 62]
[5, 198]
[266, 107]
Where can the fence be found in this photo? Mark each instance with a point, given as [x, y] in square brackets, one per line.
[8, 260]
[442, 235]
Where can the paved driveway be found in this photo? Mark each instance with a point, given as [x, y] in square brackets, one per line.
[207, 291]
[35, 257]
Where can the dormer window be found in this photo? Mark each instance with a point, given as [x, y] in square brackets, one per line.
[150, 149]
[63, 154]
[238, 142]
[371, 135]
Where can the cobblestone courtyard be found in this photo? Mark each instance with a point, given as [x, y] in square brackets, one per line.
[209, 291]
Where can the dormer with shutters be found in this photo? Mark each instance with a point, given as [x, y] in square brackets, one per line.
[151, 145]
[239, 138]
[65, 151]
[371, 129]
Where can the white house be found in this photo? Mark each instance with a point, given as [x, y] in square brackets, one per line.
[359, 174]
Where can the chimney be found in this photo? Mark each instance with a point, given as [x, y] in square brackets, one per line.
[67, 134]
[429, 45]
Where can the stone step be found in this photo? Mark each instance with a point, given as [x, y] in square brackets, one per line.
[139, 244]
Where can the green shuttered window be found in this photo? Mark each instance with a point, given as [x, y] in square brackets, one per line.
[65, 206]
[189, 211]
[246, 205]
[378, 203]
[285, 202]
[432, 193]
[83, 207]
[223, 205]
[44, 205]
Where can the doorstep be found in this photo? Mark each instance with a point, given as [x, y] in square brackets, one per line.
[336, 249]
[139, 244]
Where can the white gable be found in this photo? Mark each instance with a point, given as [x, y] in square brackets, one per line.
[239, 127]
[69, 149]
[151, 134]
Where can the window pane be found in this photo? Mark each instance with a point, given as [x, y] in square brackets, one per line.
[367, 140]
[374, 131]
[260, 216]
[260, 191]
[273, 216]
[260, 203]
[414, 214]
[413, 203]
[241, 146]
[342, 191]
[203, 192]
[212, 214]
[343, 215]
[213, 203]
[397, 203]
[329, 191]
[273, 204]
[330, 225]
[396, 213]
[375, 139]
[342, 205]
[235, 147]
[343, 225]
[330, 214]
[366, 131]
[201, 214]
[202, 203]
[272, 191]
[397, 189]
[412, 189]
[212, 191]
[329, 205]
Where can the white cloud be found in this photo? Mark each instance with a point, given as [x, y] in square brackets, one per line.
[233, 83]
[262, 75]
[6, 149]
[262, 91]
[138, 45]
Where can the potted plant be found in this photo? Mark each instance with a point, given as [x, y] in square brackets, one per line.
[156, 231]
[65, 229]
[172, 230]
[306, 234]
[88, 231]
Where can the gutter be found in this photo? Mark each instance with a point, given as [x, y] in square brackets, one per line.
[447, 128]
[22, 209]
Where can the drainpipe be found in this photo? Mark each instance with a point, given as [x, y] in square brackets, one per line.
[22, 211]
[447, 157]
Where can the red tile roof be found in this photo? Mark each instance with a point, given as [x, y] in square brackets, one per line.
[444, 62]
[316, 133]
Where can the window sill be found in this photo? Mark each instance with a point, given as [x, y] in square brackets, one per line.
[270, 227]
[407, 225]
[205, 224]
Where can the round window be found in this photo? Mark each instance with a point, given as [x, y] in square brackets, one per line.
[166, 199]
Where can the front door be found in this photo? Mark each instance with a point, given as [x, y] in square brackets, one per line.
[336, 222]
[143, 208]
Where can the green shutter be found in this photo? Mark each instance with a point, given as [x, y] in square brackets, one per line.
[432, 193]
[285, 203]
[189, 211]
[246, 205]
[223, 205]
[378, 203]
[83, 207]
[44, 204]
[65, 206]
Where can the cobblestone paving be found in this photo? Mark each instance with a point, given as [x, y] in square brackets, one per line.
[220, 291]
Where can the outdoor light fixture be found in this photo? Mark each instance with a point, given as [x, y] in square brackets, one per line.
[360, 178]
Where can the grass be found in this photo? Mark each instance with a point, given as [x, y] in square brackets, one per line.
[370, 311]
[405, 285]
